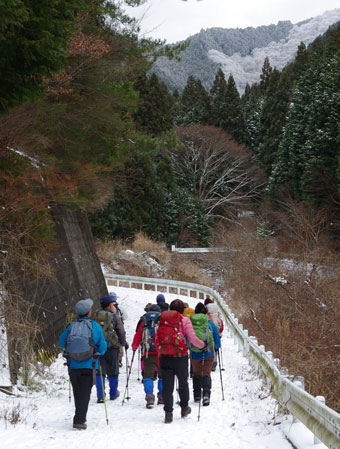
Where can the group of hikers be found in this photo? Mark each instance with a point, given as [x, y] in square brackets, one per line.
[171, 338]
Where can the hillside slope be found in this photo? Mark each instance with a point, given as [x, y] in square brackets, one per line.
[241, 51]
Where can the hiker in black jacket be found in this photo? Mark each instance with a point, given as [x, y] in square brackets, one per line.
[114, 333]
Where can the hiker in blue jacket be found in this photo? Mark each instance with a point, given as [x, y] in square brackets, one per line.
[81, 372]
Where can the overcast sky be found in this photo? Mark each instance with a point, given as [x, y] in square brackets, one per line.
[175, 20]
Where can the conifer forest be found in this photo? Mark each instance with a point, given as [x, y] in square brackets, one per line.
[86, 123]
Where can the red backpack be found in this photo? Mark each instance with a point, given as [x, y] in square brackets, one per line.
[170, 338]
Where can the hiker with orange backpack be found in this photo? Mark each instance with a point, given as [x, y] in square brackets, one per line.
[173, 355]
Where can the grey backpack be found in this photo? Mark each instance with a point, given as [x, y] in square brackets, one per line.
[79, 344]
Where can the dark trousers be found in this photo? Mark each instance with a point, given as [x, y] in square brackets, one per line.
[109, 362]
[82, 381]
[171, 367]
[150, 364]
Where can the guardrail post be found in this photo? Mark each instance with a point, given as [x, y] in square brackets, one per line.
[235, 339]
[251, 359]
[323, 401]
[246, 344]
[301, 379]
[301, 384]
[239, 342]
[277, 363]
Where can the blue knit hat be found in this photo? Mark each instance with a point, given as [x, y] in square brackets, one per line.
[160, 298]
[106, 300]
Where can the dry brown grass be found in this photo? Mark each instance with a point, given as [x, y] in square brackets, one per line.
[183, 268]
[107, 250]
[294, 312]
[143, 243]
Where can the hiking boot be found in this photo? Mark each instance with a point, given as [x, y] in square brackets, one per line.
[100, 401]
[150, 400]
[206, 400]
[168, 417]
[80, 426]
[185, 411]
[115, 397]
[197, 398]
[160, 399]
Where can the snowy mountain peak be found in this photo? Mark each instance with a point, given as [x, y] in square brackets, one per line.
[241, 51]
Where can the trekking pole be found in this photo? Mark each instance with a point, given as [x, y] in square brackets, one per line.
[101, 378]
[177, 402]
[222, 358]
[128, 377]
[127, 372]
[138, 363]
[67, 363]
[219, 363]
[202, 372]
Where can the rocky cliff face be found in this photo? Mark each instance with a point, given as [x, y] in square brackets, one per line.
[241, 51]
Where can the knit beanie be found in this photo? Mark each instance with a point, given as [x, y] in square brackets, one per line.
[160, 298]
[200, 308]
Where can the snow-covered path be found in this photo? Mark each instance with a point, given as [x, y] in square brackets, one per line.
[244, 420]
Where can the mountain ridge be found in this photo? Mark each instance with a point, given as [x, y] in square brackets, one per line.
[241, 51]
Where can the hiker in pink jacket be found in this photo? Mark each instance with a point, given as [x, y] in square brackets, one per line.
[173, 355]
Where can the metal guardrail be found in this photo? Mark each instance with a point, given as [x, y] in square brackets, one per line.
[315, 415]
[174, 249]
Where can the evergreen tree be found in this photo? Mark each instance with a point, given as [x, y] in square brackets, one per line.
[34, 36]
[194, 105]
[252, 103]
[301, 61]
[308, 157]
[270, 130]
[154, 112]
[217, 93]
[266, 73]
[234, 122]
[277, 98]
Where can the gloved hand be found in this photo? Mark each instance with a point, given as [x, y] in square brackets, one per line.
[205, 346]
[126, 345]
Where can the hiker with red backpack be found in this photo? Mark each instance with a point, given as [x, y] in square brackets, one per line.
[215, 316]
[202, 361]
[145, 337]
[173, 355]
[83, 341]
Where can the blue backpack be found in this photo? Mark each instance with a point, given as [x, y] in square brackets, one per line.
[151, 322]
[79, 343]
